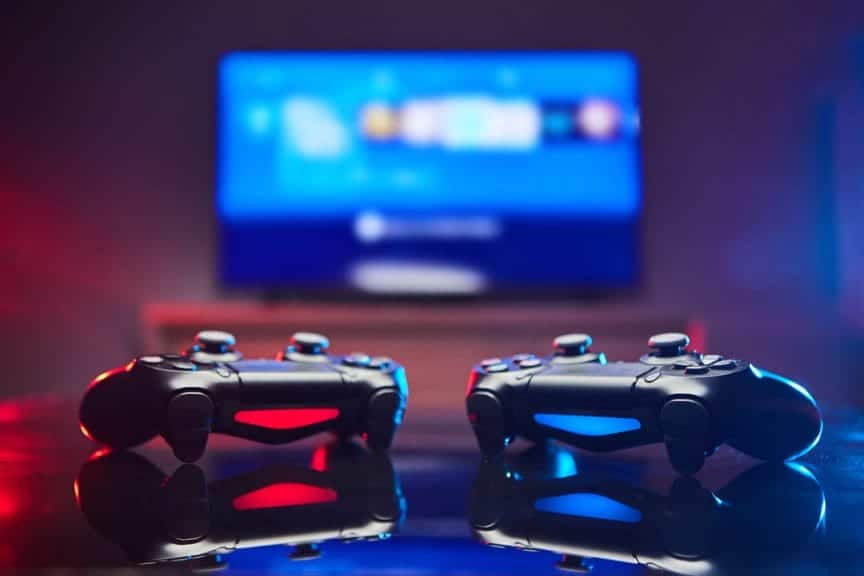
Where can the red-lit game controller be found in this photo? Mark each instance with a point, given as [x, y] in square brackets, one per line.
[345, 494]
[211, 388]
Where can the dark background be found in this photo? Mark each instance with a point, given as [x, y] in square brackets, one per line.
[107, 125]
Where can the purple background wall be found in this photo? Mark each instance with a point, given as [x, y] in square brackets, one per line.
[106, 155]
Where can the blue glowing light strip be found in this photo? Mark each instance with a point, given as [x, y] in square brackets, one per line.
[589, 506]
[588, 425]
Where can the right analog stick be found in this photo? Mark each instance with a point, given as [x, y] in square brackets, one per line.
[309, 343]
[213, 346]
[669, 344]
[572, 344]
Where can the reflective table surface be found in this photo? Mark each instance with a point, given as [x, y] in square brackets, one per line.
[430, 507]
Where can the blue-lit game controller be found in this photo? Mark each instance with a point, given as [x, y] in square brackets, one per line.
[692, 402]
[211, 388]
[539, 501]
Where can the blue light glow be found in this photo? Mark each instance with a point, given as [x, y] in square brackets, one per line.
[822, 525]
[333, 134]
[589, 506]
[565, 465]
[585, 425]
[812, 444]
[804, 392]
[409, 172]
[805, 471]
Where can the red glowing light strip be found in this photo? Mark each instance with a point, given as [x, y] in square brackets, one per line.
[99, 454]
[285, 418]
[319, 459]
[86, 432]
[128, 367]
[283, 495]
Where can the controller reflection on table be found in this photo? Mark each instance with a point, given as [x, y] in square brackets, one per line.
[344, 494]
[538, 501]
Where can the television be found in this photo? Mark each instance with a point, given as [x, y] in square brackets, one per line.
[428, 173]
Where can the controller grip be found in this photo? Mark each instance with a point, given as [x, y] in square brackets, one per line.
[119, 410]
[781, 420]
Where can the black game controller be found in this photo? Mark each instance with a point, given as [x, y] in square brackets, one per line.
[692, 402]
[540, 502]
[210, 388]
[346, 494]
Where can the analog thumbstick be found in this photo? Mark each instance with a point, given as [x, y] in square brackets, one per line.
[669, 344]
[310, 343]
[215, 341]
[572, 344]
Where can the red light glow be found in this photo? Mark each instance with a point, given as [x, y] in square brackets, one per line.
[10, 412]
[285, 418]
[108, 373]
[99, 454]
[319, 459]
[283, 495]
[77, 493]
[86, 432]
[8, 503]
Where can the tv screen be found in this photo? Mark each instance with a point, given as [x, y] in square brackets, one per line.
[428, 173]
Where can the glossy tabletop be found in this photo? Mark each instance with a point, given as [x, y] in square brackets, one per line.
[430, 507]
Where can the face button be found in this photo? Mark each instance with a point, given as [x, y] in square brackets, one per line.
[310, 343]
[184, 366]
[357, 359]
[669, 343]
[696, 370]
[681, 365]
[572, 344]
[520, 357]
[150, 359]
[709, 359]
[172, 356]
[223, 371]
[215, 341]
[380, 362]
[529, 363]
[500, 367]
[490, 362]
[725, 365]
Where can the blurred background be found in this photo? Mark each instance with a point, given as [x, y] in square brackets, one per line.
[437, 181]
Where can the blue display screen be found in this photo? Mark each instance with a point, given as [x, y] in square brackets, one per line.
[428, 172]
